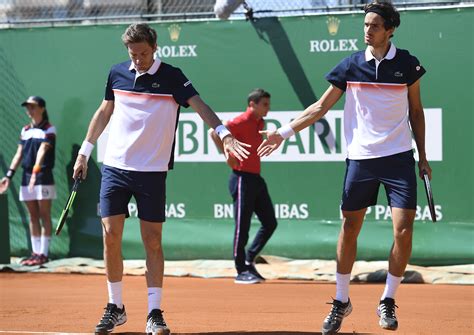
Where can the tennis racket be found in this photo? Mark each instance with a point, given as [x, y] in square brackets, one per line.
[429, 195]
[70, 200]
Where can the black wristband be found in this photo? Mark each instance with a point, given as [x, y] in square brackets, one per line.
[10, 173]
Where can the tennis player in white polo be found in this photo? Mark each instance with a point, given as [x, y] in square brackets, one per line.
[142, 102]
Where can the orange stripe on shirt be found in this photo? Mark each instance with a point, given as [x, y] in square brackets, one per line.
[143, 95]
[385, 86]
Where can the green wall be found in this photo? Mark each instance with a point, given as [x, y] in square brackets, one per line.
[289, 57]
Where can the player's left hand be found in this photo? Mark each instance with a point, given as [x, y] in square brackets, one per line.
[270, 144]
[235, 147]
[31, 184]
[424, 166]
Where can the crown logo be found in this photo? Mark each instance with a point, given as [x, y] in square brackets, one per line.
[333, 25]
[174, 30]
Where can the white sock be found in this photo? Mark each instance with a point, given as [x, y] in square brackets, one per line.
[391, 286]
[342, 287]
[45, 244]
[36, 244]
[154, 298]
[115, 293]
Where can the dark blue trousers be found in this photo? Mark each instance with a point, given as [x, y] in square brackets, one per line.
[250, 194]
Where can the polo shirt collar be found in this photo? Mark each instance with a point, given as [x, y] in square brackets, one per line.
[152, 70]
[390, 54]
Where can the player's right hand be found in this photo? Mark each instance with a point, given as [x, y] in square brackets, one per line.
[270, 144]
[4, 183]
[424, 167]
[80, 167]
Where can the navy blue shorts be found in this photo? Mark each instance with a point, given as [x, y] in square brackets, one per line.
[148, 188]
[363, 178]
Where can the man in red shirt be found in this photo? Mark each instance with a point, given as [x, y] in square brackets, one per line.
[248, 189]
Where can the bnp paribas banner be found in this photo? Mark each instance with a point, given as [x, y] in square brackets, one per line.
[225, 60]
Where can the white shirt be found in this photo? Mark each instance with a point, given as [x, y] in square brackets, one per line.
[143, 124]
[376, 115]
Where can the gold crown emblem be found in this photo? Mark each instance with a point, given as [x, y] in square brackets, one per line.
[333, 25]
[174, 30]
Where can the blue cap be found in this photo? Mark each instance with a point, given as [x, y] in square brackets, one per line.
[34, 100]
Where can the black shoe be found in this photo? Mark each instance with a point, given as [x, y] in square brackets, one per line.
[332, 323]
[247, 277]
[253, 270]
[155, 324]
[113, 316]
[386, 311]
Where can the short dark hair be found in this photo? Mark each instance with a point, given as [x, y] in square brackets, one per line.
[139, 32]
[387, 11]
[256, 95]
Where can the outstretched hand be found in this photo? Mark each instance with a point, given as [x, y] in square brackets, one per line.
[270, 144]
[235, 147]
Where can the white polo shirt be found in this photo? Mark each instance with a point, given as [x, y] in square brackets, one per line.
[376, 120]
[144, 121]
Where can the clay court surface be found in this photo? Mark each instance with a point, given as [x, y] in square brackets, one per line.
[73, 303]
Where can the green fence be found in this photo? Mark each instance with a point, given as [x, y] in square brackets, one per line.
[289, 57]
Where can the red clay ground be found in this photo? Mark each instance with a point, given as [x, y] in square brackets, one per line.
[31, 302]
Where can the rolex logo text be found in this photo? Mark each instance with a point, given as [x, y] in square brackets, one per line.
[333, 45]
[170, 51]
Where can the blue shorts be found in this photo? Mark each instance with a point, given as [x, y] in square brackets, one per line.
[148, 188]
[363, 178]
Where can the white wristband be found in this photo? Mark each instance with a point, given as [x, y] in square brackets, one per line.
[286, 131]
[86, 149]
[222, 131]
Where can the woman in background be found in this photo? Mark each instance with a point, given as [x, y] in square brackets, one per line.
[36, 154]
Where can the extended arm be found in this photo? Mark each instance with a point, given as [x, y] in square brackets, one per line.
[229, 144]
[309, 116]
